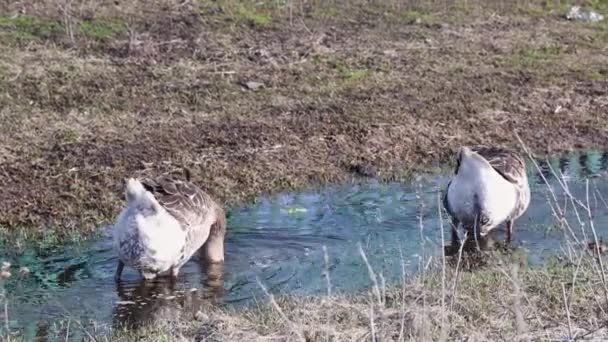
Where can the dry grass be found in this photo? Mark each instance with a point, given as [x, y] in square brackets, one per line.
[498, 301]
[93, 92]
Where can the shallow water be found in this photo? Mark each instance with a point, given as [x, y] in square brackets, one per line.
[279, 241]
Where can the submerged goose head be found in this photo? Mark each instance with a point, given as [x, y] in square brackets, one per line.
[166, 220]
[489, 187]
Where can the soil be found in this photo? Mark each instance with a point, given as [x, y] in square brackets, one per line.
[254, 100]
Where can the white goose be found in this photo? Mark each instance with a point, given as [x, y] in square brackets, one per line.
[490, 186]
[164, 223]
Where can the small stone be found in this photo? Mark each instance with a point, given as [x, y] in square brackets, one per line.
[251, 85]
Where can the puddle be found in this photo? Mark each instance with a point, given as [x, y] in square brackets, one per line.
[279, 241]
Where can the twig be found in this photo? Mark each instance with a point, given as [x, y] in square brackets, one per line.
[443, 313]
[402, 325]
[371, 321]
[372, 275]
[559, 214]
[8, 331]
[278, 308]
[423, 255]
[457, 274]
[67, 331]
[67, 19]
[326, 270]
[382, 285]
[575, 275]
[567, 312]
[597, 245]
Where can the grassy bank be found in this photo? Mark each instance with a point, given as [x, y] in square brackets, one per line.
[258, 97]
[490, 296]
[500, 301]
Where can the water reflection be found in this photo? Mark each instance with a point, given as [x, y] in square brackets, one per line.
[144, 302]
[575, 166]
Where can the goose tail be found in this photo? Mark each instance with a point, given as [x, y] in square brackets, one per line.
[136, 194]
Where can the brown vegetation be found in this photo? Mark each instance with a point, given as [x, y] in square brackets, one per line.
[257, 98]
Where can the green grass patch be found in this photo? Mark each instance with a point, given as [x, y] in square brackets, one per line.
[415, 16]
[349, 73]
[102, 29]
[26, 28]
[354, 74]
[252, 16]
[533, 56]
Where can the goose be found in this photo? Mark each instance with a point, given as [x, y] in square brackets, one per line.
[165, 221]
[489, 187]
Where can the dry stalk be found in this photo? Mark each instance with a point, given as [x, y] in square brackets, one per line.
[371, 321]
[66, 8]
[372, 275]
[67, 331]
[443, 335]
[454, 285]
[403, 279]
[568, 196]
[8, 331]
[279, 310]
[556, 209]
[597, 245]
[326, 270]
[567, 312]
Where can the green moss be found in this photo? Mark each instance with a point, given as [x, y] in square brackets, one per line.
[102, 29]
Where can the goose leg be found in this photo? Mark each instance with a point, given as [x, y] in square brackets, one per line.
[455, 237]
[509, 224]
[119, 269]
[174, 272]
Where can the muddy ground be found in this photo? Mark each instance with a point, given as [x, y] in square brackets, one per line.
[256, 98]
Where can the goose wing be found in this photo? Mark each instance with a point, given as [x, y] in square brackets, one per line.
[506, 162]
[184, 200]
